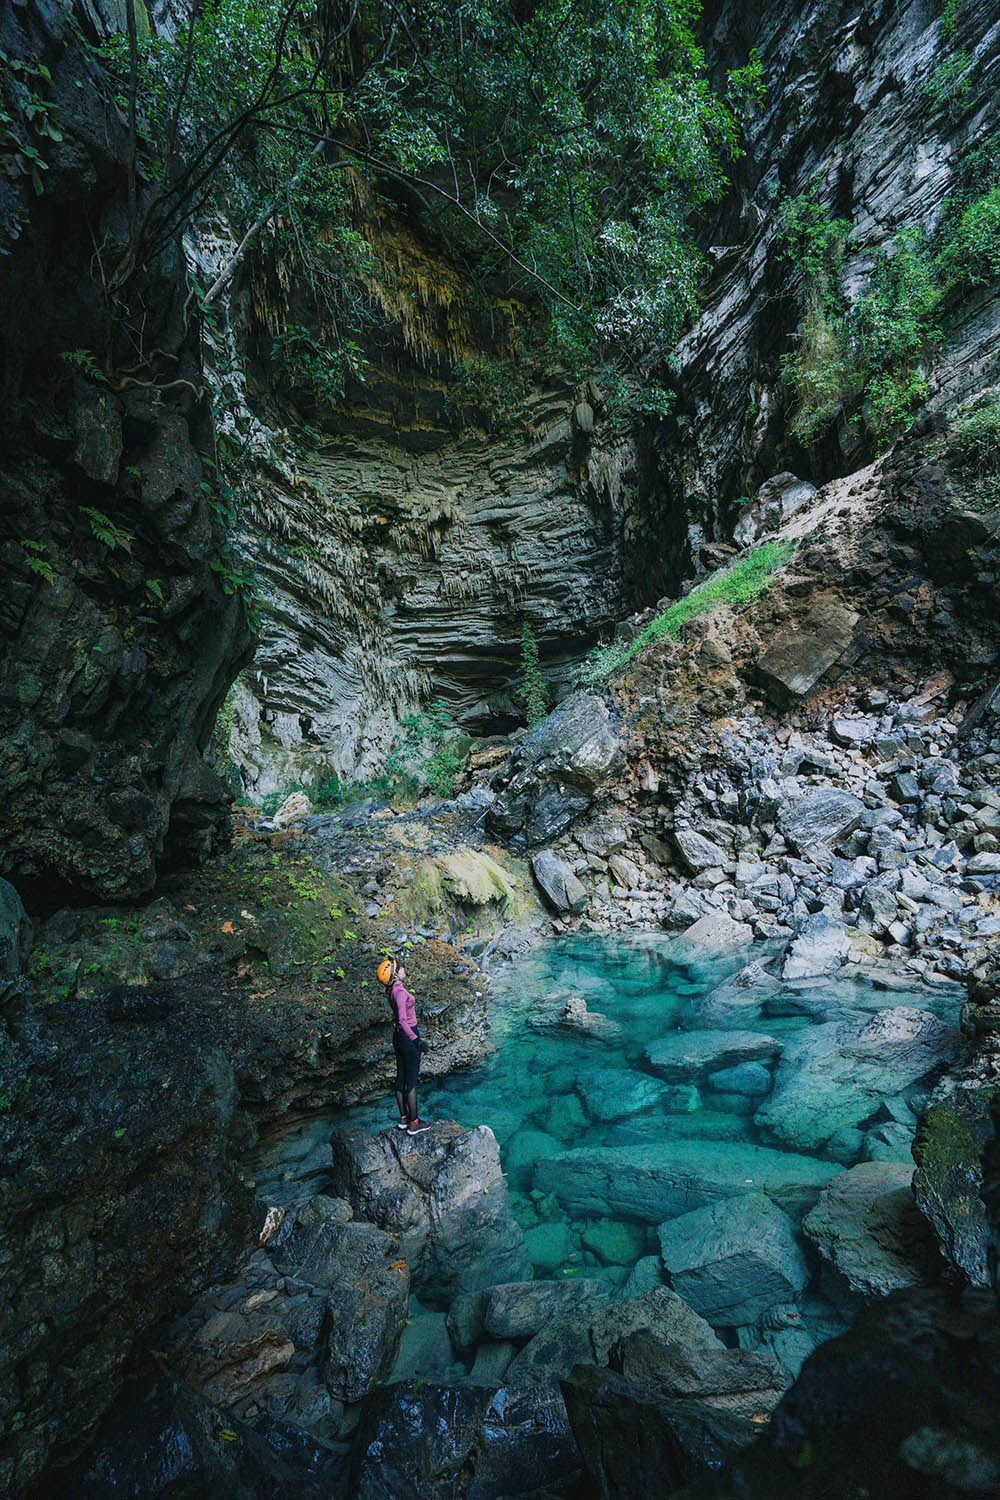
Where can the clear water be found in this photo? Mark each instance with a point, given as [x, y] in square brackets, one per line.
[547, 1089]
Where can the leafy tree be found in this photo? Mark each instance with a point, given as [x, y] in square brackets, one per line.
[563, 145]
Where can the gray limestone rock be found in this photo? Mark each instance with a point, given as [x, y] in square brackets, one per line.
[556, 770]
[686, 1056]
[697, 852]
[867, 1226]
[518, 1310]
[820, 946]
[617, 1093]
[657, 1181]
[715, 932]
[824, 816]
[776, 500]
[733, 1260]
[751, 1078]
[418, 1440]
[562, 890]
[837, 1074]
[793, 664]
[443, 1193]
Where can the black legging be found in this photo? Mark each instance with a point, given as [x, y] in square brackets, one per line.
[407, 1068]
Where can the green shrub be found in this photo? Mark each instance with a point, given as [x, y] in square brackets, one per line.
[423, 756]
[814, 243]
[948, 86]
[491, 389]
[737, 585]
[894, 329]
[819, 373]
[970, 256]
[530, 690]
[974, 448]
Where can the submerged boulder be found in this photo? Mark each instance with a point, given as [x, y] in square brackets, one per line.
[658, 1181]
[689, 1056]
[733, 1260]
[836, 1075]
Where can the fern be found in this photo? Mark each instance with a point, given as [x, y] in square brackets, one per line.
[36, 562]
[83, 360]
[105, 530]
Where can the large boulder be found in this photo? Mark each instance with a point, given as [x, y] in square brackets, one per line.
[617, 1093]
[560, 888]
[778, 498]
[423, 1442]
[697, 853]
[903, 1406]
[742, 1382]
[836, 1075]
[443, 1193]
[689, 1056]
[15, 932]
[948, 1183]
[658, 1181]
[309, 1323]
[555, 772]
[796, 660]
[713, 933]
[868, 1228]
[824, 816]
[636, 1442]
[820, 946]
[518, 1310]
[734, 1260]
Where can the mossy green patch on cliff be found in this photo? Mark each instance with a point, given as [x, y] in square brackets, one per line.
[734, 586]
[949, 1178]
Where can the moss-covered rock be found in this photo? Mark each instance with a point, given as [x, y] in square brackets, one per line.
[948, 1182]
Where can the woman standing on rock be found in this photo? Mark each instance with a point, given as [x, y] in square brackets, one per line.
[406, 1043]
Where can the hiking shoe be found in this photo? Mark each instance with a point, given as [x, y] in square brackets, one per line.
[415, 1127]
[403, 1125]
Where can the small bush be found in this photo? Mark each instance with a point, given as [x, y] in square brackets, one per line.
[530, 689]
[491, 389]
[814, 243]
[893, 331]
[974, 448]
[971, 254]
[423, 756]
[819, 374]
[740, 584]
[948, 86]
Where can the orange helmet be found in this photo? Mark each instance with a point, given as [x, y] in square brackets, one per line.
[386, 971]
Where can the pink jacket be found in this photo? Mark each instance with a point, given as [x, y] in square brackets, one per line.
[404, 1008]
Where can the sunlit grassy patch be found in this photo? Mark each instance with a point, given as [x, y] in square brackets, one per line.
[734, 586]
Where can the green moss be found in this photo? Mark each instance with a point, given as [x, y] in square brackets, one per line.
[734, 586]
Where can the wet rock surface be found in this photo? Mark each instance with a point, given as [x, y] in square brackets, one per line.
[445, 1196]
[108, 691]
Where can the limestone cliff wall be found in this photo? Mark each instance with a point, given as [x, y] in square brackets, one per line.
[847, 115]
[117, 637]
[401, 547]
